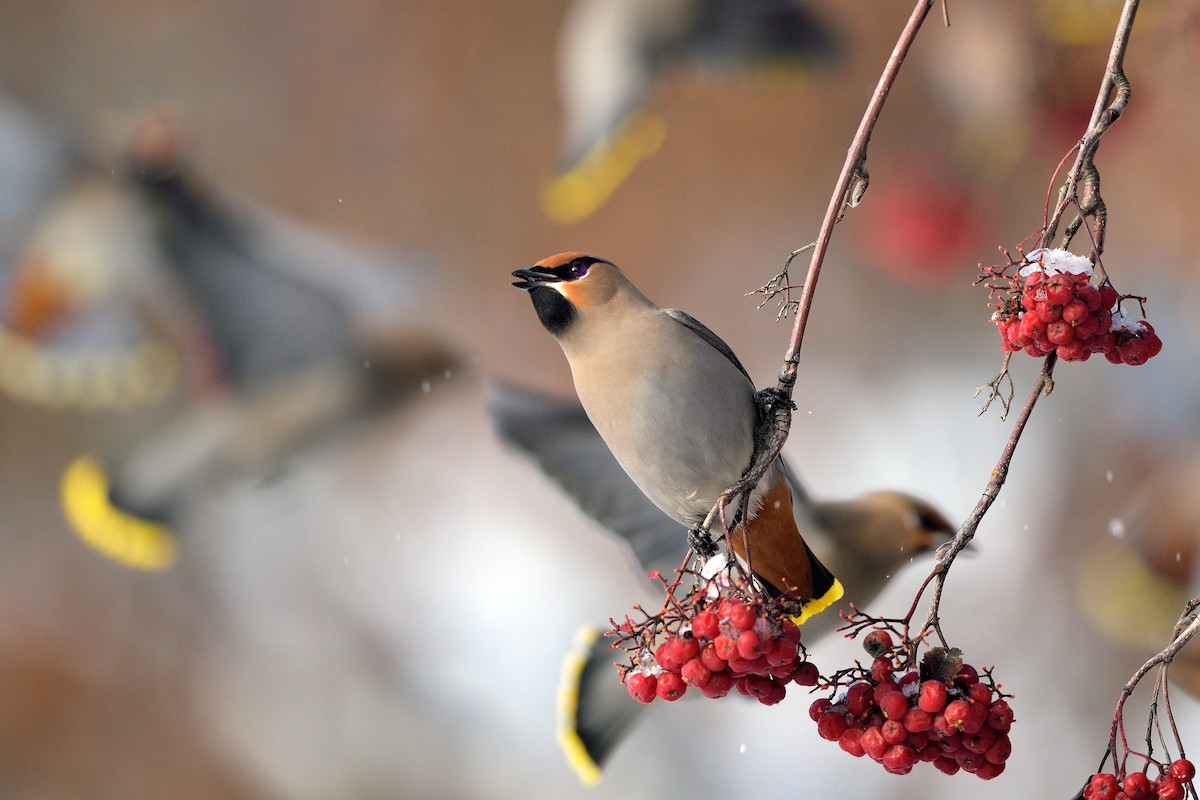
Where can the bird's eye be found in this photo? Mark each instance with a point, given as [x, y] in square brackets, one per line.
[578, 269]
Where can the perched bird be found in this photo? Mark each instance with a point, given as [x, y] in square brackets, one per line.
[288, 336]
[864, 541]
[678, 411]
[611, 52]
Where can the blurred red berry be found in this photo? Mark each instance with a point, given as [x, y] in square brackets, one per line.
[1183, 770]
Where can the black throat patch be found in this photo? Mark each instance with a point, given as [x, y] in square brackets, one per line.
[554, 310]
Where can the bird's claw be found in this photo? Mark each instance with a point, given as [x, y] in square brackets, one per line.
[701, 542]
[771, 397]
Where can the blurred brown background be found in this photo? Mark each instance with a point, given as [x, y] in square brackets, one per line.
[386, 619]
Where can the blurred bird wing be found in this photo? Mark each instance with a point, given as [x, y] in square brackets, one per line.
[563, 441]
[700, 329]
[595, 712]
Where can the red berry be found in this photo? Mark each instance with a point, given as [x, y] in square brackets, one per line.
[1134, 352]
[749, 645]
[941, 728]
[670, 686]
[819, 707]
[884, 688]
[725, 647]
[1090, 296]
[894, 732]
[873, 742]
[980, 741]
[641, 687]
[831, 725]
[947, 764]
[1058, 292]
[1000, 716]
[1113, 356]
[718, 684]
[956, 714]
[908, 678]
[1108, 299]
[683, 649]
[695, 672]
[858, 699]
[1087, 327]
[851, 742]
[967, 675]
[1169, 789]
[1137, 786]
[1153, 343]
[664, 654]
[1104, 786]
[932, 697]
[986, 770]
[918, 721]
[806, 674]
[1183, 770]
[710, 658]
[1000, 750]
[706, 625]
[1076, 350]
[767, 691]
[976, 718]
[894, 704]
[981, 693]
[932, 751]
[1060, 332]
[1074, 312]
[741, 615]
[900, 758]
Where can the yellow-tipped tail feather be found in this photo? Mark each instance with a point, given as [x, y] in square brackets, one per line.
[819, 604]
[133, 542]
[568, 707]
[579, 192]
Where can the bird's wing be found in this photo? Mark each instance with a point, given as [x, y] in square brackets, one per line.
[595, 711]
[561, 438]
[700, 329]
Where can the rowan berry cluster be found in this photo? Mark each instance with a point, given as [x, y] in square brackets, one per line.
[721, 636]
[1171, 784]
[941, 713]
[1051, 306]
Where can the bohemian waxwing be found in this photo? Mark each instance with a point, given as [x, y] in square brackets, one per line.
[289, 336]
[678, 411]
[612, 52]
[864, 541]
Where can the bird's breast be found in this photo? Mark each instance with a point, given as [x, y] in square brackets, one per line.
[677, 414]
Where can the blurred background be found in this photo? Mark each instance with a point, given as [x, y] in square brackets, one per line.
[372, 595]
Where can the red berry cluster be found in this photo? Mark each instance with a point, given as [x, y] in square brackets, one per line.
[1048, 309]
[941, 714]
[727, 643]
[1171, 784]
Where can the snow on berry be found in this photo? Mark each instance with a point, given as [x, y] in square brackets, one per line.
[1051, 305]
[939, 713]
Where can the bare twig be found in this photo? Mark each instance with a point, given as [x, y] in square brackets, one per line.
[949, 551]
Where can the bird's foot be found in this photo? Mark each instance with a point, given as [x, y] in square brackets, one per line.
[701, 542]
[771, 397]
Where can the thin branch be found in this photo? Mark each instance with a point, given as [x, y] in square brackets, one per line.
[949, 551]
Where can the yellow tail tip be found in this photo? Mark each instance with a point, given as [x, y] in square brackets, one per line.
[582, 190]
[136, 543]
[819, 604]
[578, 757]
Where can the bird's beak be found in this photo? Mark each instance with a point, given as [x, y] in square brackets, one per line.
[532, 278]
